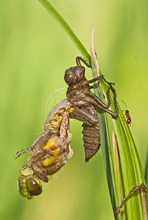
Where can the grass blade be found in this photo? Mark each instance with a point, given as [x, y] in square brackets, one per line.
[124, 172]
[146, 169]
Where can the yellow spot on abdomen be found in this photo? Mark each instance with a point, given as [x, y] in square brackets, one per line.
[54, 155]
[53, 142]
[48, 161]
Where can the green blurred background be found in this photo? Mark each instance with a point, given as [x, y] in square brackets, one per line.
[34, 53]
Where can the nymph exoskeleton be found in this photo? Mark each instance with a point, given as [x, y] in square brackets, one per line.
[85, 103]
[48, 153]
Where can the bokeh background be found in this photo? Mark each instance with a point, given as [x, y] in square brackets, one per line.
[34, 53]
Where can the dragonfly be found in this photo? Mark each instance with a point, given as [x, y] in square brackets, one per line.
[49, 153]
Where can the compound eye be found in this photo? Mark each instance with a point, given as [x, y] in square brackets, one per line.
[33, 186]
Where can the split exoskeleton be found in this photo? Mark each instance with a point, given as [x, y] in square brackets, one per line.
[85, 103]
[50, 151]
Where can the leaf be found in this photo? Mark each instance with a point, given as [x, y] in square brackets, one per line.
[123, 167]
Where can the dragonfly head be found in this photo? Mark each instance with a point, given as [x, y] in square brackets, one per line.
[29, 186]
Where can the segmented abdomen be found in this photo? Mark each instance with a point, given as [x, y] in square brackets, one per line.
[91, 138]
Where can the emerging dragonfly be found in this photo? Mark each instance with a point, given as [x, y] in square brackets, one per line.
[52, 149]
[48, 153]
[85, 103]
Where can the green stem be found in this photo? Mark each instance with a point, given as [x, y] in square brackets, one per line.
[67, 28]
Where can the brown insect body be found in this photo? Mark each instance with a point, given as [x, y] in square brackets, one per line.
[91, 138]
[84, 103]
[91, 135]
[80, 97]
[128, 117]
